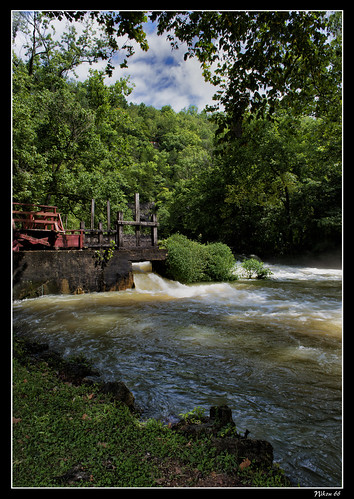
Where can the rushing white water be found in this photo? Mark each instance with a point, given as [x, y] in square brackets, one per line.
[286, 272]
[271, 350]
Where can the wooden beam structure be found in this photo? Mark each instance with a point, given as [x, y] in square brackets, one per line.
[36, 225]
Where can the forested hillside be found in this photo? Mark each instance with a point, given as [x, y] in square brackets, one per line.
[275, 188]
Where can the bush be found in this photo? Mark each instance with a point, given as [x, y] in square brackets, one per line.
[254, 268]
[220, 262]
[186, 259]
[189, 261]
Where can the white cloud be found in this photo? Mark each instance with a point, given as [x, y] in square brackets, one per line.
[160, 75]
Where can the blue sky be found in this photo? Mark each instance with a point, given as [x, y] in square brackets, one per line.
[160, 75]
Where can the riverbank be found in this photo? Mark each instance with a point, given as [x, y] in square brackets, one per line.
[329, 260]
[71, 430]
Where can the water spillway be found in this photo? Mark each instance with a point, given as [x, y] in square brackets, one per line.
[271, 350]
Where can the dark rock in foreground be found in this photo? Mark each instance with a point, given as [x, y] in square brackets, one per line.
[222, 430]
[76, 371]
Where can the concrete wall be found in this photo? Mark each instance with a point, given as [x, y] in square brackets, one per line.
[36, 273]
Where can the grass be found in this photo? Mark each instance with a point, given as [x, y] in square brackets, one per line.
[75, 436]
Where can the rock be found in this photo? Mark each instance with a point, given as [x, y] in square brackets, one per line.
[119, 391]
[259, 452]
[76, 372]
[34, 348]
[194, 429]
[37, 273]
[75, 474]
[241, 257]
[221, 415]
[255, 257]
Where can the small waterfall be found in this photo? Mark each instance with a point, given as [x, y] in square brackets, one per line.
[142, 267]
[269, 349]
[147, 281]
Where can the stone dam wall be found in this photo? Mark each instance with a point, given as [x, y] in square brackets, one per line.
[37, 273]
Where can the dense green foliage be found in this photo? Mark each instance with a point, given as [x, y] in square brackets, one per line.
[265, 187]
[263, 58]
[189, 261]
[186, 259]
[220, 262]
[259, 57]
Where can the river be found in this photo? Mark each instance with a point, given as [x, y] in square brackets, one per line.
[271, 350]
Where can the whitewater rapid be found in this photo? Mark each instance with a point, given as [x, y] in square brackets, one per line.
[271, 350]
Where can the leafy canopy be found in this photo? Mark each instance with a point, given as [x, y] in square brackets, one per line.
[260, 58]
[256, 58]
[265, 186]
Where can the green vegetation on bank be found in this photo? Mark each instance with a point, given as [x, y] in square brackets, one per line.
[73, 435]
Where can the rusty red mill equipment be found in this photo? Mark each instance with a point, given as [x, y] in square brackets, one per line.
[41, 227]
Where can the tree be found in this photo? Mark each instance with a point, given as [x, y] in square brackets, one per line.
[274, 188]
[262, 58]
[63, 135]
[114, 24]
[58, 55]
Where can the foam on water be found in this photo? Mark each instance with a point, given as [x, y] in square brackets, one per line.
[270, 349]
[293, 272]
[154, 284]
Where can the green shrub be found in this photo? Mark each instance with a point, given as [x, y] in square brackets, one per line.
[186, 260]
[189, 261]
[220, 262]
[255, 268]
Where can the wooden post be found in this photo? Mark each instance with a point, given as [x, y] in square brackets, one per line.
[92, 213]
[154, 230]
[108, 216]
[120, 233]
[82, 234]
[137, 207]
[137, 219]
[100, 233]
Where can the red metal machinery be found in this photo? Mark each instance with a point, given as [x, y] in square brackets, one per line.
[40, 226]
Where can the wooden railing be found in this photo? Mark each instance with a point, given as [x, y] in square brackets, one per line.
[42, 225]
[40, 217]
[97, 237]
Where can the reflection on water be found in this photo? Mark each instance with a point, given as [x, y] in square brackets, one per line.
[271, 350]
